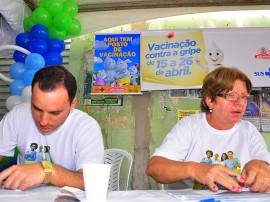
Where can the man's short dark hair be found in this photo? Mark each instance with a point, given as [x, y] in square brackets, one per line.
[51, 77]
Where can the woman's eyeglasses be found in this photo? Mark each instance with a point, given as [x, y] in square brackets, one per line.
[234, 96]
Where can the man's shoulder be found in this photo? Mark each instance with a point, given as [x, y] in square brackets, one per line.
[80, 116]
[22, 108]
[80, 113]
[23, 105]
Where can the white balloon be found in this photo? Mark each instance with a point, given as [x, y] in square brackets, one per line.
[5, 78]
[27, 93]
[13, 47]
[12, 101]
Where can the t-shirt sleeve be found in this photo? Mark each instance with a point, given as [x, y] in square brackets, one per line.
[8, 128]
[258, 147]
[90, 146]
[178, 141]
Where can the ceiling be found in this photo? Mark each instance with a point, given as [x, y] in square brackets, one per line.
[108, 5]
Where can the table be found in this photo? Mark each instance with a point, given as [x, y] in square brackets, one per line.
[50, 193]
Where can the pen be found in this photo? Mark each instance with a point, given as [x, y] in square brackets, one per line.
[209, 200]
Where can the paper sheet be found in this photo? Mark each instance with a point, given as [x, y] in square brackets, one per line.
[6, 193]
[225, 195]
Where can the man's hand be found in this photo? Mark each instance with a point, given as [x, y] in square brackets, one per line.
[22, 176]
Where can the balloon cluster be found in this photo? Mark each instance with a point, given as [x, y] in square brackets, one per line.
[57, 16]
[45, 31]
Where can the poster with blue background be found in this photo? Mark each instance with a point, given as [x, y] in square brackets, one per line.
[116, 64]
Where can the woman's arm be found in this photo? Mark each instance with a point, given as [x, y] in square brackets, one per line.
[168, 171]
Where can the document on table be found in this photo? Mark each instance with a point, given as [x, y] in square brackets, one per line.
[6, 193]
[223, 195]
[74, 192]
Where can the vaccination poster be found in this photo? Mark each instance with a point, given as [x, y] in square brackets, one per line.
[180, 59]
[116, 64]
[168, 62]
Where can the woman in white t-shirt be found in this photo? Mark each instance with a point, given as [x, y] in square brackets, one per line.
[218, 128]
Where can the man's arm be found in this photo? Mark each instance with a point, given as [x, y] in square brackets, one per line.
[63, 177]
[168, 171]
[28, 175]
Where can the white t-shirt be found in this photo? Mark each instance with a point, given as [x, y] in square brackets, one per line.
[191, 137]
[76, 142]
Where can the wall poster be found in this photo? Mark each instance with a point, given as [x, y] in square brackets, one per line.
[116, 64]
[258, 109]
[180, 59]
[97, 100]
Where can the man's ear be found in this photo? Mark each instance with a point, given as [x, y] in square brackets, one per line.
[73, 103]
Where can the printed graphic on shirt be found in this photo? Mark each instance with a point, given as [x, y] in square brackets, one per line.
[37, 153]
[227, 159]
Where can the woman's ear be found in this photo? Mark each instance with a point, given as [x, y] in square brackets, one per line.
[209, 102]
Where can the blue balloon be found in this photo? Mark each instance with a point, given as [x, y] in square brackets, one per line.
[55, 45]
[23, 40]
[16, 87]
[38, 46]
[39, 31]
[53, 58]
[34, 61]
[18, 56]
[28, 77]
[17, 70]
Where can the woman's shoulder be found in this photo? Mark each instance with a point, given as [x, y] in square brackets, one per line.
[192, 120]
[197, 117]
[247, 125]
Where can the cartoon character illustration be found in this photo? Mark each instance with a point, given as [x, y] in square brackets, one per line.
[214, 56]
[124, 77]
[109, 63]
[31, 154]
[122, 74]
[109, 67]
[134, 74]
[110, 77]
[100, 78]
[121, 65]
[208, 159]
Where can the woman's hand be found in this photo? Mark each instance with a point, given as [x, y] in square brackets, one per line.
[210, 173]
[256, 175]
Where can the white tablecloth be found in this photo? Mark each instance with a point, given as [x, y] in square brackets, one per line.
[50, 193]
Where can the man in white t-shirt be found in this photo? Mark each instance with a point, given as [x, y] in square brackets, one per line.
[69, 137]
